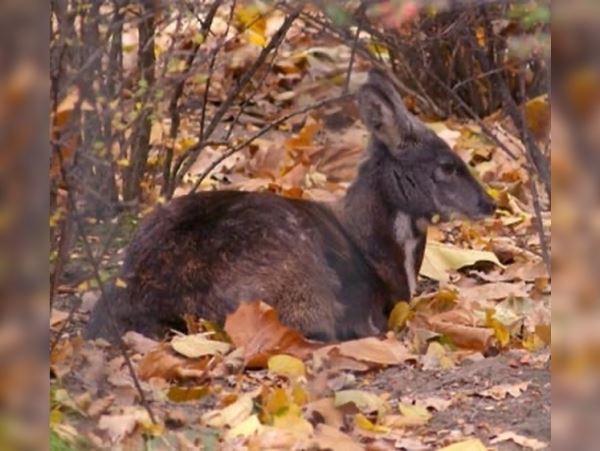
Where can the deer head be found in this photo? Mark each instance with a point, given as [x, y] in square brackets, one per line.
[419, 174]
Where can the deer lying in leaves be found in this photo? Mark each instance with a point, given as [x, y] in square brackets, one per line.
[333, 272]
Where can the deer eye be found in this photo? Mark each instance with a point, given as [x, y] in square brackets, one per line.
[448, 168]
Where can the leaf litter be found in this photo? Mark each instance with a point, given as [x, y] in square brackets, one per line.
[465, 364]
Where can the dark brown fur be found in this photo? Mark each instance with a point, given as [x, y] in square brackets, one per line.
[332, 273]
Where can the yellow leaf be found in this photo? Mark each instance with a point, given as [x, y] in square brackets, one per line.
[183, 394]
[400, 314]
[198, 38]
[256, 38]
[255, 23]
[246, 428]
[56, 416]
[197, 345]
[379, 50]
[230, 416]
[277, 401]
[292, 420]
[473, 444]
[123, 163]
[416, 412]
[500, 331]
[537, 115]
[364, 423]
[440, 258]
[437, 357]
[184, 144]
[544, 332]
[480, 35]
[299, 395]
[120, 283]
[286, 365]
[365, 402]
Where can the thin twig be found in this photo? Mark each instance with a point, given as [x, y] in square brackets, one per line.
[353, 51]
[96, 273]
[540, 224]
[178, 92]
[186, 160]
[260, 133]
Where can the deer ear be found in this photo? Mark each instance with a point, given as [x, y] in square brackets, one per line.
[384, 114]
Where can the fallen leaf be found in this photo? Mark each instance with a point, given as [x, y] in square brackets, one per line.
[473, 444]
[499, 392]
[415, 411]
[328, 437]
[256, 327]
[57, 317]
[184, 394]
[164, 363]
[367, 425]
[230, 416]
[402, 421]
[520, 440]
[197, 345]
[440, 258]
[526, 271]
[500, 331]
[99, 406]
[493, 291]
[399, 315]
[436, 358]
[324, 409]
[364, 401]
[246, 428]
[291, 419]
[436, 403]
[118, 427]
[272, 438]
[459, 327]
[286, 365]
[371, 349]
[139, 343]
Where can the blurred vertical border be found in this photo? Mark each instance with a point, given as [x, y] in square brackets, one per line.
[24, 159]
[576, 223]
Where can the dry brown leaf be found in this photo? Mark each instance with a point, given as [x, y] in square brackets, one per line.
[57, 317]
[527, 271]
[372, 350]
[119, 426]
[452, 324]
[164, 363]
[520, 440]
[328, 437]
[271, 438]
[99, 406]
[63, 354]
[324, 409]
[256, 327]
[139, 343]
[432, 402]
[493, 291]
[499, 392]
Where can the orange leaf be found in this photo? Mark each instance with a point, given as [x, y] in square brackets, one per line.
[164, 363]
[255, 326]
[455, 324]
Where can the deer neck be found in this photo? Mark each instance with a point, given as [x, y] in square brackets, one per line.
[390, 238]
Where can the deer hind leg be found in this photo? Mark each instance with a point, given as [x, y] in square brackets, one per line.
[309, 312]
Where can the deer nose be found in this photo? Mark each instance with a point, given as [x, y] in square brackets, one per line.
[487, 205]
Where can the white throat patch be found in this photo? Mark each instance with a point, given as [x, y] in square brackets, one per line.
[405, 238]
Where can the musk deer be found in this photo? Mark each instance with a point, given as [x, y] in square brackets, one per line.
[333, 272]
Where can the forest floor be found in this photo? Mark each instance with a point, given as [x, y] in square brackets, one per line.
[466, 365]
